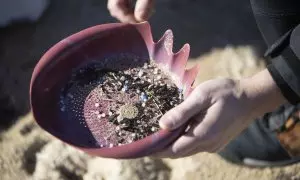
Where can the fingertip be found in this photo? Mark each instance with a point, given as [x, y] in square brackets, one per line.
[128, 19]
[143, 10]
[164, 126]
[167, 121]
[141, 16]
[174, 118]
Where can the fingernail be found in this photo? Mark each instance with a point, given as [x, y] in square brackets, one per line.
[165, 124]
[140, 16]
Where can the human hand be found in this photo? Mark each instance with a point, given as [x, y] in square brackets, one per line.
[217, 111]
[123, 11]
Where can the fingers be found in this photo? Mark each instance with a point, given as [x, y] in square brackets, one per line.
[186, 145]
[184, 111]
[201, 137]
[121, 10]
[143, 9]
[181, 145]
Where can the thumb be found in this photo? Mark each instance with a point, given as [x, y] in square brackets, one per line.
[143, 9]
[193, 105]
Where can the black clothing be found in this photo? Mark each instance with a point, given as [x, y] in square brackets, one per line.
[279, 24]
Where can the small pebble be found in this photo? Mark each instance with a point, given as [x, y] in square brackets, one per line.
[119, 118]
[138, 91]
[103, 115]
[97, 112]
[70, 95]
[125, 88]
[150, 86]
[133, 135]
[158, 77]
[144, 97]
[96, 104]
[149, 80]
[153, 129]
[122, 78]
[111, 145]
[140, 74]
[180, 90]
[118, 128]
[110, 113]
[180, 96]
[145, 66]
[98, 116]
[124, 125]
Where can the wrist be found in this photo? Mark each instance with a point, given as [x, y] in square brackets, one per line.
[262, 93]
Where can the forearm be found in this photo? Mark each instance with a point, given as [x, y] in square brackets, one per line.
[262, 93]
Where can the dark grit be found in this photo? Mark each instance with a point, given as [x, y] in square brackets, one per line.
[119, 107]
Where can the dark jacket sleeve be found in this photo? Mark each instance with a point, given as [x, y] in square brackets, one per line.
[279, 24]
